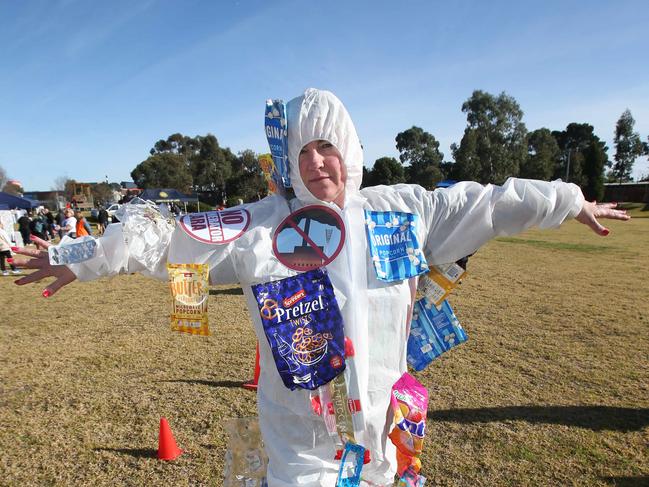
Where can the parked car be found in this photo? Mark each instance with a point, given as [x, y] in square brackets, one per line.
[94, 213]
[112, 209]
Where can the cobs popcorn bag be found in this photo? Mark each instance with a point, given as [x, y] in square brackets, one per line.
[304, 328]
[189, 285]
[433, 331]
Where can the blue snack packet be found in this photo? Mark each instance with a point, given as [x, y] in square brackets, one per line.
[393, 245]
[432, 332]
[277, 135]
[304, 328]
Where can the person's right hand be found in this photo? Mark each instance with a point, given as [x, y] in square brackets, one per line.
[41, 262]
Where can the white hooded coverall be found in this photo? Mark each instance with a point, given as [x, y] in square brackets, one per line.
[455, 222]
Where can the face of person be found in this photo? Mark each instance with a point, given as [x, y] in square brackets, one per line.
[323, 172]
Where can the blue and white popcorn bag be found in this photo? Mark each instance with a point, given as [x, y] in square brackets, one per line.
[393, 244]
[73, 251]
[275, 126]
[433, 331]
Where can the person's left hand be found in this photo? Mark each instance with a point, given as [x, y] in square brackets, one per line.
[591, 211]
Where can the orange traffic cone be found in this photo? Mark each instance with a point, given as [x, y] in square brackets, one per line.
[167, 448]
[253, 384]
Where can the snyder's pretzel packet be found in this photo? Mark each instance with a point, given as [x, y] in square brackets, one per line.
[304, 328]
[189, 288]
[409, 402]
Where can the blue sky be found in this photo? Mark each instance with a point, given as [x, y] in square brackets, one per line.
[86, 87]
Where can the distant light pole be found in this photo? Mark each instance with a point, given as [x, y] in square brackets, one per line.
[568, 166]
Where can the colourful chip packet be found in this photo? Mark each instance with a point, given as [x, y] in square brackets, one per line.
[409, 402]
[189, 286]
[304, 328]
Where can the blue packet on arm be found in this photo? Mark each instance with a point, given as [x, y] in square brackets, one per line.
[304, 328]
[432, 332]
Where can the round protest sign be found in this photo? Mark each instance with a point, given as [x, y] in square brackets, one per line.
[216, 227]
[309, 238]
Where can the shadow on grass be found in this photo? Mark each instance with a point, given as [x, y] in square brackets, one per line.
[133, 452]
[627, 481]
[596, 418]
[211, 383]
[232, 291]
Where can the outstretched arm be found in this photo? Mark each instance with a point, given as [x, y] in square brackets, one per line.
[591, 211]
[41, 262]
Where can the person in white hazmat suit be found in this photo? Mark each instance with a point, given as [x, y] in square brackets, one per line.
[326, 162]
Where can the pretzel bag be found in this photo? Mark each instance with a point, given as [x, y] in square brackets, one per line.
[304, 328]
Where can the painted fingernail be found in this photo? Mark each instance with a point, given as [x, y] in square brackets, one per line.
[15, 249]
[32, 237]
[47, 293]
[605, 232]
[10, 260]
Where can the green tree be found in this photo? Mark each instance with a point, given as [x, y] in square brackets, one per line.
[628, 147]
[12, 187]
[420, 150]
[247, 180]
[386, 170]
[543, 155]
[583, 158]
[494, 144]
[211, 166]
[102, 193]
[163, 170]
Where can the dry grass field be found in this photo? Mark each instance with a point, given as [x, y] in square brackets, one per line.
[551, 389]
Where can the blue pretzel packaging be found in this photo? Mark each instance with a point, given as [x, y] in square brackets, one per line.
[433, 331]
[393, 244]
[304, 328]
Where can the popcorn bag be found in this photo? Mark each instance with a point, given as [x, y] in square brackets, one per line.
[433, 331]
[393, 244]
[304, 328]
[189, 285]
[409, 402]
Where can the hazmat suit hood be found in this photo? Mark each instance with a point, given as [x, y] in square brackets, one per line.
[320, 115]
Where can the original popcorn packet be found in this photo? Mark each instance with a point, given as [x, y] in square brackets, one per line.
[304, 328]
[393, 244]
[189, 286]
